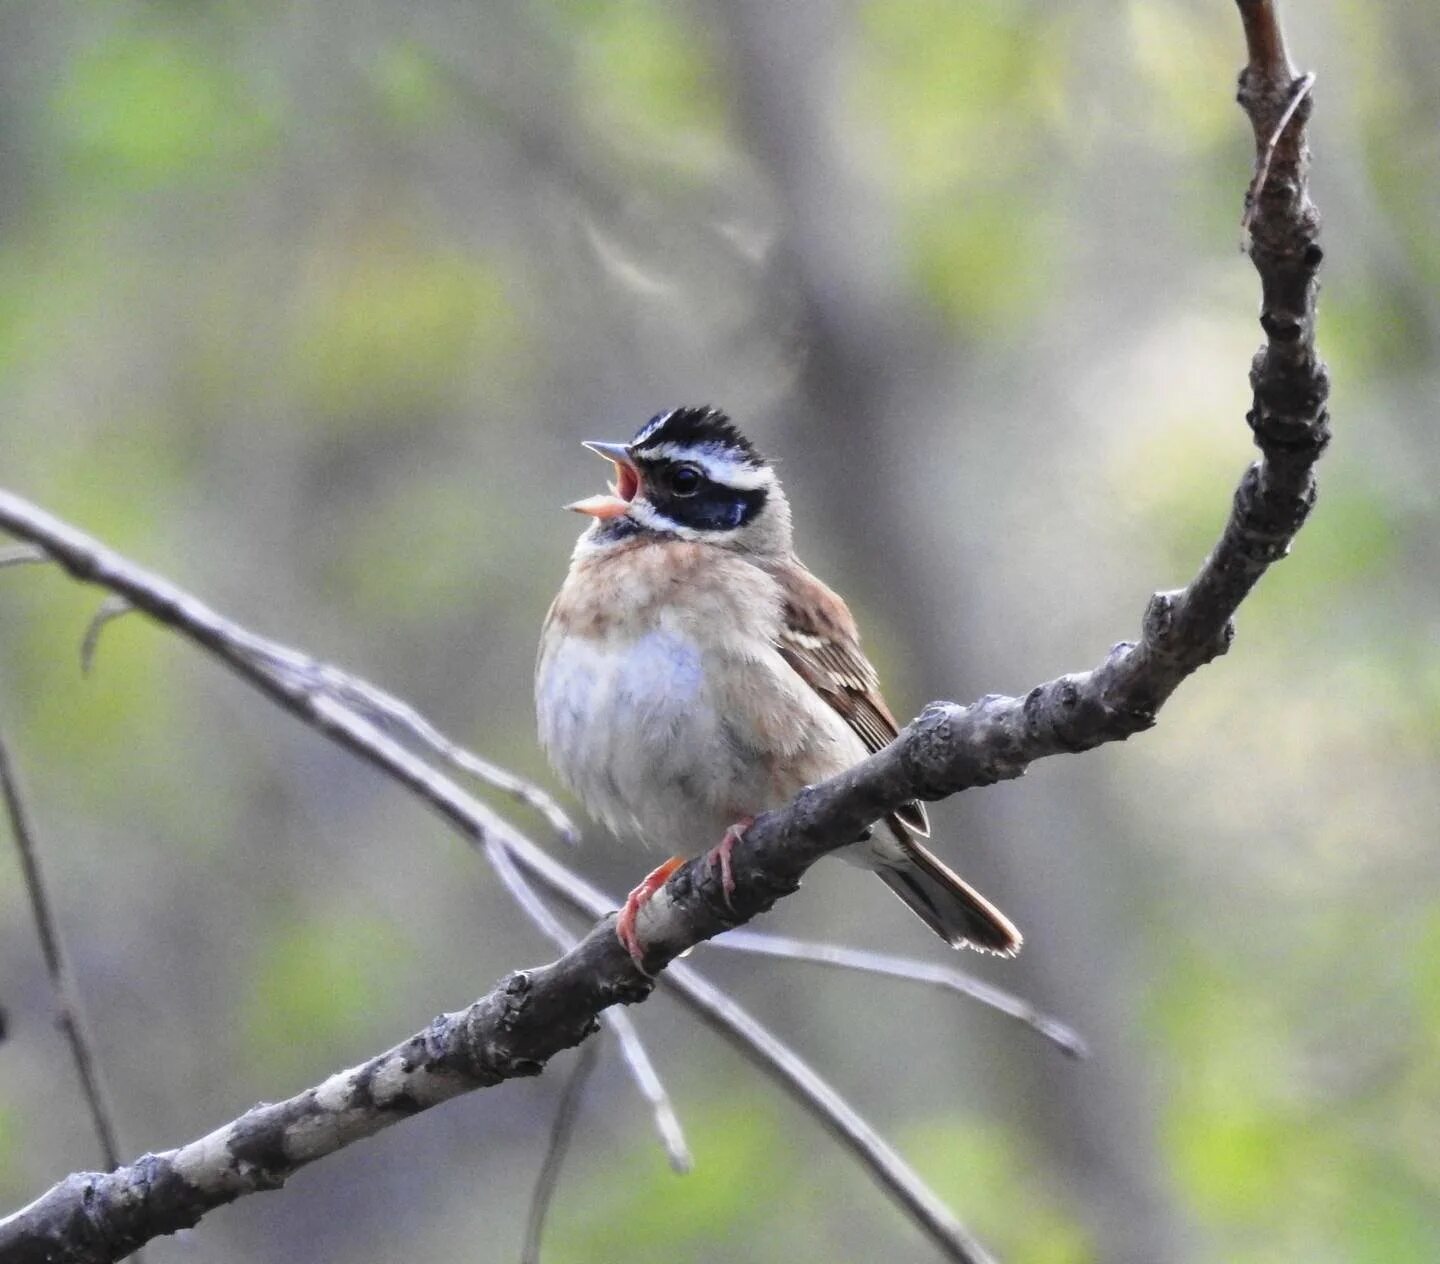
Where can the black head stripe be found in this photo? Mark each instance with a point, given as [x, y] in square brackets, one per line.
[695, 428]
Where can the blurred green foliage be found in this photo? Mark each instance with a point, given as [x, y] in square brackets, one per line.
[959, 146]
[980, 1166]
[649, 89]
[317, 980]
[409, 84]
[649, 1217]
[1262, 1152]
[136, 109]
[388, 326]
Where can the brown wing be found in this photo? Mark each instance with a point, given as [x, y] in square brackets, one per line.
[818, 638]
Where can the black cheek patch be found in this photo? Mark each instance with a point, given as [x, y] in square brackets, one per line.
[714, 508]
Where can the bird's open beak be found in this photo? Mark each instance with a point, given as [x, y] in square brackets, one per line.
[622, 490]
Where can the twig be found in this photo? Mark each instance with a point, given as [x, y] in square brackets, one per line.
[398, 716]
[560, 1135]
[914, 969]
[69, 1011]
[110, 609]
[22, 555]
[1265, 41]
[1262, 168]
[728, 1018]
[632, 1048]
[652, 1089]
[295, 680]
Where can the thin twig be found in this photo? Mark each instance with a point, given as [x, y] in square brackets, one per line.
[652, 1089]
[22, 555]
[727, 1018]
[296, 680]
[312, 674]
[1267, 154]
[561, 1134]
[110, 609]
[357, 691]
[915, 970]
[69, 1012]
[632, 1049]
[1264, 42]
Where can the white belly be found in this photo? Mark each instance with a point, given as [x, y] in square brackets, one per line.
[662, 744]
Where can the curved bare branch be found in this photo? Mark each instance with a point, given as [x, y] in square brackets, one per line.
[950, 748]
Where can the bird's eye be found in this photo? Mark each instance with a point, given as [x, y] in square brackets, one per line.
[686, 480]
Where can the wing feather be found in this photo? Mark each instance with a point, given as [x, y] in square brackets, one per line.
[819, 639]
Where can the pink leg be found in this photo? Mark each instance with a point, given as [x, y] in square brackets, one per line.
[625, 923]
[720, 854]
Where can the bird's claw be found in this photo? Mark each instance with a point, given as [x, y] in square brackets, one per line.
[720, 854]
[625, 930]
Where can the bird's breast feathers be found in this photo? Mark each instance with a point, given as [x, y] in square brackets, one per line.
[664, 700]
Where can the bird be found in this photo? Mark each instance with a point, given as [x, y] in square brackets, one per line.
[693, 673]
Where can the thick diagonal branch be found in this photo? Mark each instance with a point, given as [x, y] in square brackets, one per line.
[88, 560]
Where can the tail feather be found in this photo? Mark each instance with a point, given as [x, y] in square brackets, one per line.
[945, 902]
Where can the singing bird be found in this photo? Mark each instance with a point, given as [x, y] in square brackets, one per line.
[693, 673]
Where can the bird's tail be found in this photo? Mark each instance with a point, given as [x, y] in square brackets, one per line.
[944, 901]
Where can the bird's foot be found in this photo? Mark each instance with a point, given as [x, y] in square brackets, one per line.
[720, 854]
[625, 924]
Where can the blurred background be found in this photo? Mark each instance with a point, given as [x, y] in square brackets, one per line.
[308, 305]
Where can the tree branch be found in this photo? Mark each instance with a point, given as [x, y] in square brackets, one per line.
[632, 1049]
[534, 1014]
[22, 555]
[915, 969]
[304, 694]
[563, 1129]
[69, 1009]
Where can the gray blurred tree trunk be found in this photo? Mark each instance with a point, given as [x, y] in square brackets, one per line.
[865, 348]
